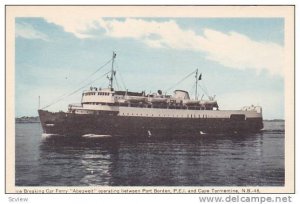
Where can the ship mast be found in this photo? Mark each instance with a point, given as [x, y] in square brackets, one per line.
[196, 91]
[112, 71]
[39, 102]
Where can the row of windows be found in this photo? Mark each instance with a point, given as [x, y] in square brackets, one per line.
[83, 111]
[89, 94]
[103, 94]
[188, 115]
[147, 106]
[99, 93]
[100, 103]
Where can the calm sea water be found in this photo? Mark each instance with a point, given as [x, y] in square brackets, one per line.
[204, 160]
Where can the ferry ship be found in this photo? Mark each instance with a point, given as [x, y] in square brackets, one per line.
[111, 112]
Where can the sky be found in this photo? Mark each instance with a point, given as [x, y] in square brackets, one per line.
[241, 59]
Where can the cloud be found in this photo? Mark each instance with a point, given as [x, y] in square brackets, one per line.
[238, 51]
[25, 30]
[79, 25]
[231, 49]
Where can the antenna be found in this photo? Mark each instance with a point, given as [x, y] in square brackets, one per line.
[112, 71]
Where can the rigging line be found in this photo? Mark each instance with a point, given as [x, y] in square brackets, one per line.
[70, 94]
[89, 83]
[204, 91]
[121, 77]
[193, 88]
[205, 88]
[121, 85]
[122, 81]
[63, 96]
[96, 71]
[103, 84]
[180, 81]
[117, 84]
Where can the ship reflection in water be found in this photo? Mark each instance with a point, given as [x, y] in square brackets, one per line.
[202, 160]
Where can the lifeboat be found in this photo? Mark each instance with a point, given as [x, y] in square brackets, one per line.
[135, 99]
[209, 105]
[157, 100]
[191, 102]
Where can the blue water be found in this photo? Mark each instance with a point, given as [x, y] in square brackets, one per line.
[200, 160]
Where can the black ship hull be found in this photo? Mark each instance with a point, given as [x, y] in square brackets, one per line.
[109, 123]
